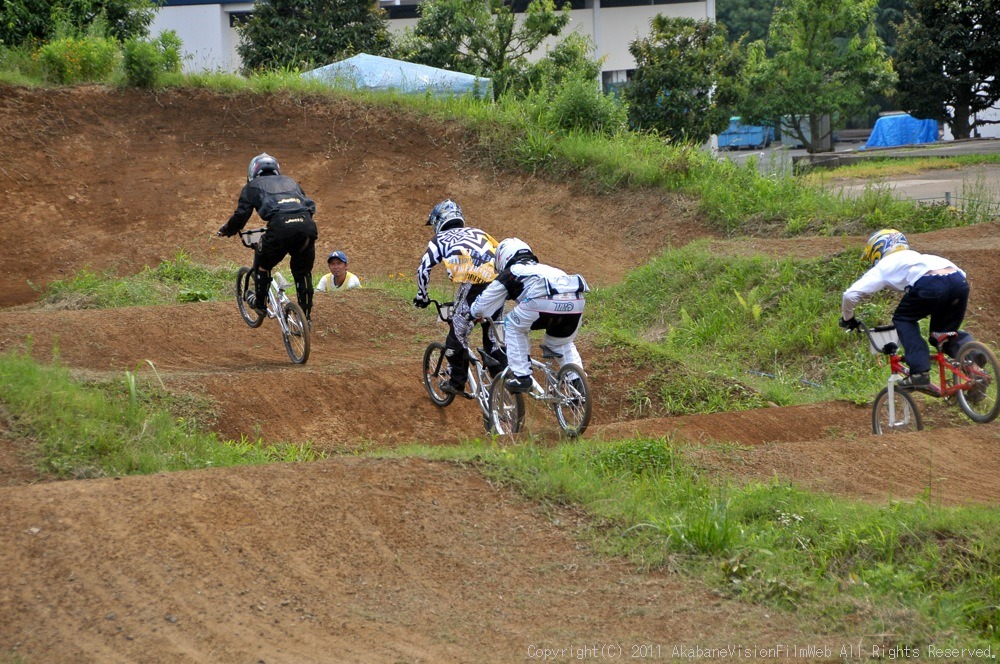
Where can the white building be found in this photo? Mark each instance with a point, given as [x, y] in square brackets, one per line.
[210, 39]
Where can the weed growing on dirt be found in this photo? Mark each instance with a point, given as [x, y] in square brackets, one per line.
[760, 330]
[874, 168]
[911, 573]
[177, 280]
[82, 431]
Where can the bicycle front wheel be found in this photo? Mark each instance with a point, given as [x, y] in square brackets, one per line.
[572, 404]
[906, 416]
[297, 337]
[436, 369]
[506, 408]
[244, 285]
[979, 402]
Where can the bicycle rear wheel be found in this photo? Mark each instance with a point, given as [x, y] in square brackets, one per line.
[436, 369]
[981, 402]
[906, 415]
[297, 338]
[573, 406]
[244, 285]
[506, 408]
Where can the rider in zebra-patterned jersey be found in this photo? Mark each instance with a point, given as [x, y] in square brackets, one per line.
[468, 255]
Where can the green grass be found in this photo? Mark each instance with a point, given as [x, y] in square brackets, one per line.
[716, 332]
[172, 281]
[874, 168]
[82, 430]
[908, 573]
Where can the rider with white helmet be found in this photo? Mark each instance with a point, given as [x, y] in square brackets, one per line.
[932, 287]
[467, 254]
[547, 299]
[280, 201]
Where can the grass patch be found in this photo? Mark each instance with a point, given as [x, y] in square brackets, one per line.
[910, 573]
[86, 431]
[172, 281]
[873, 168]
[760, 330]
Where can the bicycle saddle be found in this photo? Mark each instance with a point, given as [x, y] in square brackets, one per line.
[938, 338]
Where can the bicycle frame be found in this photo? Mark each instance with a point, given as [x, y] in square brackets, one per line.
[899, 371]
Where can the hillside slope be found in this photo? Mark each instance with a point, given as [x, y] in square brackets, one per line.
[351, 559]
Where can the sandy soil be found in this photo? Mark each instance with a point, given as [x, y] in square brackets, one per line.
[348, 559]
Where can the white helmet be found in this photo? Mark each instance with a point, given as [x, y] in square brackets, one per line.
[510, 251]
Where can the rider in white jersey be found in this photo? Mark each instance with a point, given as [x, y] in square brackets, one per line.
[547, 299]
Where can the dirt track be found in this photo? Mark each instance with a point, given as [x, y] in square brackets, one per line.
[350, 560]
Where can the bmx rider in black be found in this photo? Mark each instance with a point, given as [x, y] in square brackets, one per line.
[280, 201]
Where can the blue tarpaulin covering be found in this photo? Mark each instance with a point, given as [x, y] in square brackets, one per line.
[373, 72]
[902, 129]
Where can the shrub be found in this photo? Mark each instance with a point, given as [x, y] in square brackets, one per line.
[144, 61]
[579, 104]
[79, 59]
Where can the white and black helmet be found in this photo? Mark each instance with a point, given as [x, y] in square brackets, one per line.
[445, 216]
[512, 250]
[262, 163]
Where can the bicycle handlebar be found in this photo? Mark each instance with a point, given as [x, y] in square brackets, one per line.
[252, 238]
[886, 344]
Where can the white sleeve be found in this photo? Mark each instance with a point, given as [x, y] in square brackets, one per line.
[324, 283]
[489, 300]
[870, 282]
[353, 282]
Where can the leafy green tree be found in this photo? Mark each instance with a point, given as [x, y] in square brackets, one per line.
[687, 79]
[300, 34]
[39, 20]
[827, 64]
[948, 59]
[573, 57]
[746, 18]
[482, 37]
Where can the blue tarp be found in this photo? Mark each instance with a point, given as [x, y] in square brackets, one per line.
[902, 129]
[739, 135]
[373, 72]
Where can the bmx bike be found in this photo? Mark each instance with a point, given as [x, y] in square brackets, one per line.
[291, 319]
[481, 368]
[970, 378]
[565, 389]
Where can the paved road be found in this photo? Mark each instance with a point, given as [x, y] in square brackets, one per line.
[977, 184]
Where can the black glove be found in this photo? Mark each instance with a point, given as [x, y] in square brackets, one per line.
[421, 302]
[224, 231]
[850, 324]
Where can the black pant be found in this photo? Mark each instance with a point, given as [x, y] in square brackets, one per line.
[455, 350]
[273, 250]
[943, 298]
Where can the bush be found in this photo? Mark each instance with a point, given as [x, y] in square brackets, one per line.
[144, 61]
[79, 59]
[579, 104]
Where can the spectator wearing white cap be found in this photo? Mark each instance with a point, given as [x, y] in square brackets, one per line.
[339, 278]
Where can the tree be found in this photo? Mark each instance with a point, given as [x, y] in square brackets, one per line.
[746, 18]
[39, 20]
[304, 33]
[827, 64]
[948, 59]
[482, 37]
[687, 79]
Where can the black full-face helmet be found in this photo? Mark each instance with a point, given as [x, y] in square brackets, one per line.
[262, 164]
